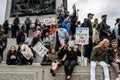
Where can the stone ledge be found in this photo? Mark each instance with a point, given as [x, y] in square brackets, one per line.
[38, 72]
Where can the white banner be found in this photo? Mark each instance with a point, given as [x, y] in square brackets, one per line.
[82, 36]
[49, 21]
[71, 43]
[40, 49]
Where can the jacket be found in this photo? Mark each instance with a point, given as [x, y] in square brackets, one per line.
[95, 36]
[20, 37]
[111, 54]
[26, 51]
[87, 23]
[63, 34]
[66, 26]
[99, 55]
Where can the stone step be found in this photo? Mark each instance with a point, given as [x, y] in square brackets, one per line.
[38, 72]
[12, 42]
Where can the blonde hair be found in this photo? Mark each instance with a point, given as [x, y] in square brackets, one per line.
[100, 44]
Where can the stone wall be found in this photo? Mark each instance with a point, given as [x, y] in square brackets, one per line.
[22, 19]
[38, 72]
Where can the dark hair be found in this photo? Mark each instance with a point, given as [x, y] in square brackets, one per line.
[78, 22]
[23, 26]
[117, 20]
[114, 40]
[90, 14]
[103, 16]
[10, 50]
[50, 50]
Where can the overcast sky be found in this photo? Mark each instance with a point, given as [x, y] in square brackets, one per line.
[98, 7]
[2, 10]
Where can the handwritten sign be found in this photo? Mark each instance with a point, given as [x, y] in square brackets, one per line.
[82, 36]
[71, 43]
[40, 49]
[49, 21]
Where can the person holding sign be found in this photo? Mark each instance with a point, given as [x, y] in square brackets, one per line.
[99, 57]
[70, 59]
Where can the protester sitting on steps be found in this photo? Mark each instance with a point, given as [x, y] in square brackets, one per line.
[25, 54]
[52, 55]
[70, 59]
[114, 56]
[99, 58]
[12, 56]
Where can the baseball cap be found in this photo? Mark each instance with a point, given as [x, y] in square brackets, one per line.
[90, 14]
[103, 16]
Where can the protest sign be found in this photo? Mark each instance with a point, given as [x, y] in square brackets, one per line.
[82, 36]
[40, 49]
[49, 21]
[71, 43]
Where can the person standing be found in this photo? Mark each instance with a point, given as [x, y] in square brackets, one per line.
[6, 26]
[95, 36]
[15, 26]
[99, 57]
[37, 23]
[88, 24]
[104, 28]
[66, 25]
[28, 24]
[21, 35]
[116, 31]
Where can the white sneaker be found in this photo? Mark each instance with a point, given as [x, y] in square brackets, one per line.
[3, 62]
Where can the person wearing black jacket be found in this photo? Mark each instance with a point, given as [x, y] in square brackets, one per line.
[88, 24]
[114, 56]
[15, 26]
[63, 50]
[6, 26]
[104, 28]
[12, 56]
[70, 59]
[73, 21]
[21, 35]
[28, 24]
[3, 43]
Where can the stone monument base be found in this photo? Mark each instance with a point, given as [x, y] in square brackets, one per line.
[38, 72]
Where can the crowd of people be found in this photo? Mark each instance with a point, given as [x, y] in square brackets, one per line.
[101, 50]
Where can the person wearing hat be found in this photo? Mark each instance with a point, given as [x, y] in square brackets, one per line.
[104, 28]
[88, 24]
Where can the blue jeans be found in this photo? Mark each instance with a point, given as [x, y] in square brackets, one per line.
[69, 66]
